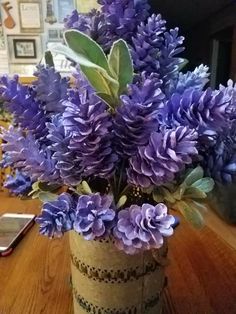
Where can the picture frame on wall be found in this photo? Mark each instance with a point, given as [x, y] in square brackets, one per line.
[63, 8]
[30, 13]
[24, 49]
[55, 35]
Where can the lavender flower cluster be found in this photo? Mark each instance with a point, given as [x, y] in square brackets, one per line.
[164, 123]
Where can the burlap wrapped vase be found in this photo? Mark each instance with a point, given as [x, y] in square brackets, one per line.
[108, 281]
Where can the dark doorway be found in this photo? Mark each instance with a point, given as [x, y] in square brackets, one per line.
[221, 56]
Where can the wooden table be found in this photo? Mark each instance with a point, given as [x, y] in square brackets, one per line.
[35, 278]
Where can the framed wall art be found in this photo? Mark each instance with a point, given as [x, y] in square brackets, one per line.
[55, 34]
[30, 12]
[63, 8]
[24, 49]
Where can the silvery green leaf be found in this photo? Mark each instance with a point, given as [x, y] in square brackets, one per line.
[178, 194]
[168, 196]
[101, 81]
[47, 197]
[194, 192]
[199, 205]
[47, 187]
[73, 56]
[121, 201]
[194, 175]
[183, 63]
[49, 59]
[121, 64]
[86, 187]
[205, 184]
[108, 99]
[85, 46]
[157, 196]
[191, 214]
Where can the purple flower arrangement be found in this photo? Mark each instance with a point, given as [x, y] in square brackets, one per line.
[130, 140]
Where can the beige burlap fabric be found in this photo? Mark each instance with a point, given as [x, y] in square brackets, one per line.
[107, 281]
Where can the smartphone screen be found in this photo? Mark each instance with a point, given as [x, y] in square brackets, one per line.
[11, 226]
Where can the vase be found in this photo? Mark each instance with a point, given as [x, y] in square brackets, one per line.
[223, 201]
[108, 281]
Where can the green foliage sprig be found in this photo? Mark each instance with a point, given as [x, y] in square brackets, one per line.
[187, 197]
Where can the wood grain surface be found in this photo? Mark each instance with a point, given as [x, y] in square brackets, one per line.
[35, 278]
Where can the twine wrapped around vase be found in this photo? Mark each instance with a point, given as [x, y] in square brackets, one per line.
[108, 281]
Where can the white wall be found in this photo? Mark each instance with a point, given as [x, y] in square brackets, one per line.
[82, 5]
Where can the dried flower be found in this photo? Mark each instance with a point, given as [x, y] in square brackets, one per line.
[57, 217]
[166, 154]
[137, 118]
[94, 216]
[18, 184]
[142, 228]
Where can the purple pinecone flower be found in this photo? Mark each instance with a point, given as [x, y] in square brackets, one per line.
[94, 216]
[92, 24]
[230, 91]
[136, 118]
[66, 160]
[205, 111]
[19, 184]
[51, 88]
[155, 49]
[166, 154]
[195, 80]
[21, 102]
[123, 16]
[57, 217]
[89, 125]
[142, 228]
[219, 161]
[22, 151]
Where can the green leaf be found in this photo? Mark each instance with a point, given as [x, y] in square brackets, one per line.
[121, 201]
[86, 47]
[183, 63]
[47, 197]
[194, 175]
[190, 214]
[101, 81]
[108, 99]
[121, 64]
[193, 192]
[49, 59]
[178, 194]
[157, 196]
[47, 187]
[86, 187]
[168, 196]
[96, 75]
[205, 184]
[71, 55]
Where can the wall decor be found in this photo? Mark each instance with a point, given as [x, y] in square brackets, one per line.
[54, 35]
[9, 21]
[24, 49]
[2, 36]
[63, 8]
[30, 16]
[50, 18]
[85, 6]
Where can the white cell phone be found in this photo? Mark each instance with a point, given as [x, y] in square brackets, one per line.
[13, 227]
